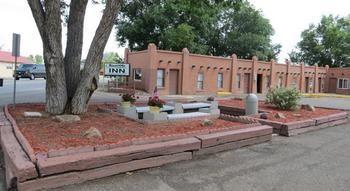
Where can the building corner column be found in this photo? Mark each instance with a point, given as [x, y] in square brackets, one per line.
[185, 89]
[152, 67]
[302, 78]
[316, 88]
[234, 69]
[272, 74]
[287, 82]
[254, 74]
[126, 55]
[326, 80]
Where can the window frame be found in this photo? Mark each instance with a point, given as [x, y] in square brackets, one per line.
[220, 83]
[341, 85]
[201, 82]
[238, 79]
[163, 77]
[135, 69]
[280, 81]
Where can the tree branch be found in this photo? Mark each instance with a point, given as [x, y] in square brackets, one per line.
[89, 76]
[74, 44]
[38, 14]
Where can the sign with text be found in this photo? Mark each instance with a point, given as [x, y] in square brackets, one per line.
[117, 69]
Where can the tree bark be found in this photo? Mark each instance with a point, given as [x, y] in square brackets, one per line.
[48, 22]
[74, 47]
[90, 74]
[67, 88]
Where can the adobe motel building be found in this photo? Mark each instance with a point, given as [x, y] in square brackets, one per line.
[188, 74]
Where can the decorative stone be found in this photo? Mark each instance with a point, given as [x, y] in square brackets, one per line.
[66, 118]
[211, 98]
[92, 132]
[207, 122]
[104, 110]
[29, 114]
[279, 116]
[309, 107]
[263, 116]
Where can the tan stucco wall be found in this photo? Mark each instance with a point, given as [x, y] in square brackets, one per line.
[189, 65]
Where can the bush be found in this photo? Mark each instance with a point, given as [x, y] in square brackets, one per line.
[283, 98]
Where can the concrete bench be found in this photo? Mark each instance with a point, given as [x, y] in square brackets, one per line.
[142, 110]
[165, 108]
[187, 115]
[198, 105]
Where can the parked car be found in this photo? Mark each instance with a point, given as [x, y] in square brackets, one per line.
[31, 71]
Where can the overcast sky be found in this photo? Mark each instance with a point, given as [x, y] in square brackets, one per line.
[288, 17]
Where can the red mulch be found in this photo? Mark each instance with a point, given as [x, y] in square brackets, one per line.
[290, 115]
[44, 133]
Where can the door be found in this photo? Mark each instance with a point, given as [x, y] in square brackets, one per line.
[307, 85]
[259, 83]
[332, 86]
[173, 82]
[320, 89]
[246, 83]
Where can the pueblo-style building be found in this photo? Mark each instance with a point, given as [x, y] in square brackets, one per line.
[185, 73]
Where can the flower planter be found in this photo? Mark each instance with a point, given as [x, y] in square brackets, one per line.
[125, 104]
[154, 109]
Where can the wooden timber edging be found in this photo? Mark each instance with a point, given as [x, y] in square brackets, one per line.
[296, 127]
[20, 137]
[58, 171]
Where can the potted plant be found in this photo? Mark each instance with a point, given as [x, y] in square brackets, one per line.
[127, 100]
[155, 103]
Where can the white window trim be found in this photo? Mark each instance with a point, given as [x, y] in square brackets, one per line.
[347, 83]
[163, 79]
[220, 85]
[200, 88]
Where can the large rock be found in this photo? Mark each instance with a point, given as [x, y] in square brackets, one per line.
[207, 123]
[92, 132]
[264, 116]
[280, 116]
[66, 118]
[309, 107]
[29, 114]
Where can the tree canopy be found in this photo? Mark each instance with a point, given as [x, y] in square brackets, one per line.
[326, 43]
[37, 59]
[219, 27]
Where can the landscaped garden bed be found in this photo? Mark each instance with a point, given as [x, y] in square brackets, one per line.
[43, 153]
[288, 122]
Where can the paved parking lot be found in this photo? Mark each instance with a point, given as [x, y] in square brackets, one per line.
[314, 161]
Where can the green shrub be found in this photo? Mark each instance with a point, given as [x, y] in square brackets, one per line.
[283, 98]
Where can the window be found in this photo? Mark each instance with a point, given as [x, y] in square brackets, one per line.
[238, 78]
[294, 82]
[9, 66]
[343, 83]
[137, 74]
[280, 81]
[220, 82]
[200, 81]
[160, 78]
